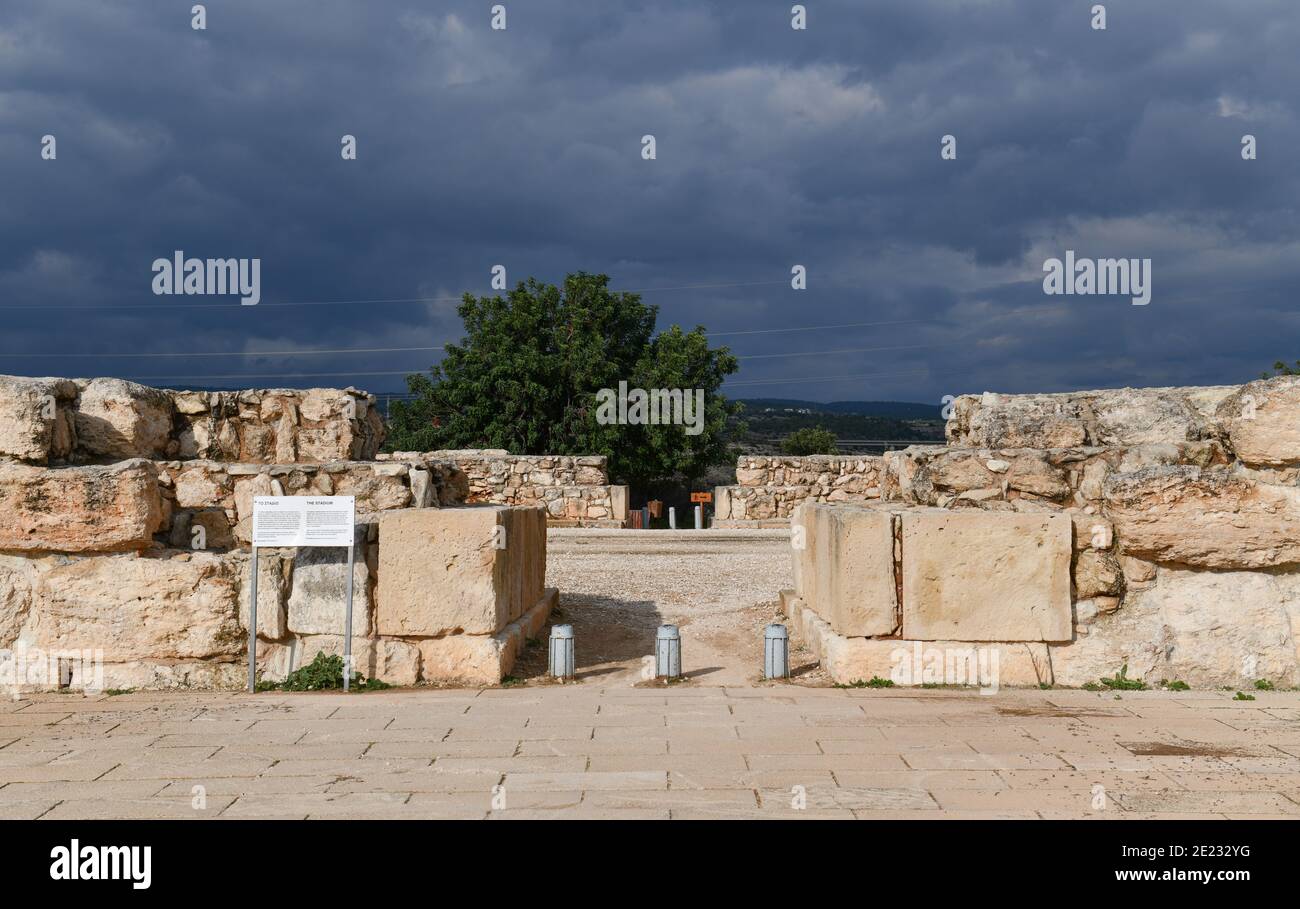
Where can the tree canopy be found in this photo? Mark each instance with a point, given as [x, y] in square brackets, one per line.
[810, 440]
[527, 373]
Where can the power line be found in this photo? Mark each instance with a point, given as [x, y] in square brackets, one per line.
[879, 375]
[827, 353]
[351, 350]
[307, 375]
[235, 353]
[162, 307]
[246, 353]
[407, 372]
[772, 331]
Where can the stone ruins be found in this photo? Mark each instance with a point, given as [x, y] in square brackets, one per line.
[128, 519]
[1068, 535]
[1076, 534]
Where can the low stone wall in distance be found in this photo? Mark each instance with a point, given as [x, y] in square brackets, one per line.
[772, 487]
[574, 489]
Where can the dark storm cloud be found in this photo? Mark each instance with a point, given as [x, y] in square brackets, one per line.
[522, 148]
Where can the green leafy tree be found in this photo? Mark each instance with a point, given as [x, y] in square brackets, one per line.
[811, 440]
[1281, 369]
[526, 376]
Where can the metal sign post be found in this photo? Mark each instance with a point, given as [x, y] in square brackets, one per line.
[252, 621]
[302, 521]
[347, 628]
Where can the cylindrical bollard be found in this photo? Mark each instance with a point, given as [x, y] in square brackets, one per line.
[699, 517]
[668, 652]
[561, 660]
[776, 652]
[645, 516]
[672, 518]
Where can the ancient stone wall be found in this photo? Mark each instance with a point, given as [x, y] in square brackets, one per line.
[62, 421]
[772, 487]
[108, 548]
[1182, 560]
[574, 490]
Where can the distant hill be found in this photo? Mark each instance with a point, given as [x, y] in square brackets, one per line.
[898, 410]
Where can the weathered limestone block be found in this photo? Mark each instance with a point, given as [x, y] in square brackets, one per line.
[36, 422]
[274, 581]
[1136, 571]
[458, 570]
[202, 485]
[1120, 416]
[846, 568]
[319, 595]
[17, 577]
[909, 662]
[1016, 421]
[160, 606]
[929, 475]
[394, 662]
[618, 503]
[1097, 573]
[208, 529]
[374, 489]
[483, 659]
[1205, 628]
[977, 576]
[116, 419]
[1204, 518]
[1263, 420]
[79, 509]
[149, 675]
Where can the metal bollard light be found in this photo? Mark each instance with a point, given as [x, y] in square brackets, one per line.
[776, 652]
[668, 652]
[699, 517]
[561, 663]
[672, 518]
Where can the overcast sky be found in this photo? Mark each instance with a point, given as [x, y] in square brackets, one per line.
[775, 147]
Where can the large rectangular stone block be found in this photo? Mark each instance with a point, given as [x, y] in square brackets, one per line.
[174, 606]
[846, 567]
[913, 663]
[1219, 519]
[986, 576]
[466, 570]
[483, 659]
[79, 509]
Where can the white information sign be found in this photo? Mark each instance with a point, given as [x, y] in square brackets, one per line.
[303, 520]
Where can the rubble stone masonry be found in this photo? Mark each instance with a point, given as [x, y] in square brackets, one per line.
[1182, 560]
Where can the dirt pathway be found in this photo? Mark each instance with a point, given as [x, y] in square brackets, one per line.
[616, 587]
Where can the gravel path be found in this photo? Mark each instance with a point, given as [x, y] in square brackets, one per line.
[616, 587]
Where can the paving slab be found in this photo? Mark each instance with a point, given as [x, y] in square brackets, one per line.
[775, 751]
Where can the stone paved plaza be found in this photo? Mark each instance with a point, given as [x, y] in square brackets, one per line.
[597, 751]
